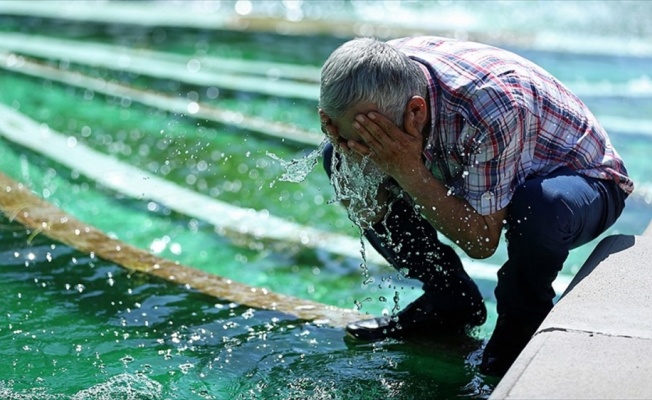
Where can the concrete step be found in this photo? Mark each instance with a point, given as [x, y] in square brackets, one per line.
[597, 341]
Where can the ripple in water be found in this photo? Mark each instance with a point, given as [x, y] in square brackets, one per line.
[124, 386]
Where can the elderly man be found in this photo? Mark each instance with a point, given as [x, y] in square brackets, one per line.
[432, 135]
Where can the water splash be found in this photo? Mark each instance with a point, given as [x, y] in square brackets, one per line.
[296, 170]
[123, 386]
[356, 184]
[355, 181]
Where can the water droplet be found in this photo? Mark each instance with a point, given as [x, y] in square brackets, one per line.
[193, 65]
[193, 107]
[72, 141]
[127, 359]
[185, 368]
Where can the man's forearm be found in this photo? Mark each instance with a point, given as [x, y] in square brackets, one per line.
[476, 234]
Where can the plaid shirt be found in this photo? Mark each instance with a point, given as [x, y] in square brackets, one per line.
[498, 119]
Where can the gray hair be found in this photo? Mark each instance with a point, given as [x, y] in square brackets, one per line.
[368, 70]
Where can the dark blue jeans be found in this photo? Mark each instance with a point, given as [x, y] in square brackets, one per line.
[547, 217]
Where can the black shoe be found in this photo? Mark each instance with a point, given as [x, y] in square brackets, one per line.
[418, 318]
[510, 337]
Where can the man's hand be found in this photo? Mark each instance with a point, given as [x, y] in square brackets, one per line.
[396, 151]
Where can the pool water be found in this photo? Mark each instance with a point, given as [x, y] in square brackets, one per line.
[74, 326]
[77, 326]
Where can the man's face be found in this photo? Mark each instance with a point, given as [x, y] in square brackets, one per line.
[356, 179]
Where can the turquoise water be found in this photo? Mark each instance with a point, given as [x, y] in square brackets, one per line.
[75, 326]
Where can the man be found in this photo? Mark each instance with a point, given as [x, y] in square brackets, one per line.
[465, 139]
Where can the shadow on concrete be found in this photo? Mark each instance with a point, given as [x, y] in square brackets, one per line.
[607, 246]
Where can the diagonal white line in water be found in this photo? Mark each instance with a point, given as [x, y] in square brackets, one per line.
[177, 105]
[267, 78]
[12, 62]
[160, 65]
[131, 181]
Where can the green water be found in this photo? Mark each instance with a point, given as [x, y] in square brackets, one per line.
[74, 326]
[129, 330]
[79, 325]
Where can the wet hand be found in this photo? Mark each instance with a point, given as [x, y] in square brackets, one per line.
[396, 151]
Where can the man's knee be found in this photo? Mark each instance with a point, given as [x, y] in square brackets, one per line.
[539, 213]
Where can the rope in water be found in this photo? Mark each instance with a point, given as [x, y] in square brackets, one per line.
[19, 204]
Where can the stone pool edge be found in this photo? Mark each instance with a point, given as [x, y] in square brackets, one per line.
[597, 341]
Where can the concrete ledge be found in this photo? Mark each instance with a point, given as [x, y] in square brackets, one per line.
[597, 341]
[580, 365]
